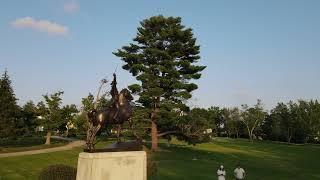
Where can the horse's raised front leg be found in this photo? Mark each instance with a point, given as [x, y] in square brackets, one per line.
[118, 133]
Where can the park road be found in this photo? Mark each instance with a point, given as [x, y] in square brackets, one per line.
[69, 146]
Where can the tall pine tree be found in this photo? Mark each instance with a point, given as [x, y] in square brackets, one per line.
[9, 110]
[163, 58]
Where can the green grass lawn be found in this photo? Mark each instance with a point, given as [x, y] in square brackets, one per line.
[261, 160]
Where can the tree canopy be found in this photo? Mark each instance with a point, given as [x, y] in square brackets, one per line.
[163, 57]
[9, 110]
[53, 115]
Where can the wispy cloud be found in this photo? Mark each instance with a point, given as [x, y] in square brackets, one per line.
[49, 27]
[71, 6]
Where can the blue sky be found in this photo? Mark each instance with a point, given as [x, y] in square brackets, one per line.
[252, 49]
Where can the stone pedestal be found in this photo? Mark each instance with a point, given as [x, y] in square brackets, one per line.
[129, 165]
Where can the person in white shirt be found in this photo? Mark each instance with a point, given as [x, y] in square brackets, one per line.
[221, 173]
[239, 173]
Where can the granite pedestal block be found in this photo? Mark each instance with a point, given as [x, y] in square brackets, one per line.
[128, 165]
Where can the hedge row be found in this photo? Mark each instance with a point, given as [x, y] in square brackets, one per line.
[25, 141]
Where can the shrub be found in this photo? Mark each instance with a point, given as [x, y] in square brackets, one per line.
[24, 141]
[72, 133]
[58, 172]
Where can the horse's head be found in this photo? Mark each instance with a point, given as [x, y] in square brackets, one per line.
[126, 93]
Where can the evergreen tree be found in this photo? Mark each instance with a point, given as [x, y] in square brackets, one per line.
[232, 123]
[271, 127]
[163, 58]
[9, 110]
[29, 117]
[216, 119]
[284, 120]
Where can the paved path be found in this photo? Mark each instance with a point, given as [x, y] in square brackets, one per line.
[69, 146]
[63, 138]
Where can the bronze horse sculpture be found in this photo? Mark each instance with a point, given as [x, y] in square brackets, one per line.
[117, 113]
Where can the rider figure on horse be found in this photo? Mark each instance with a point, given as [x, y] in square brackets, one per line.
[115, 97]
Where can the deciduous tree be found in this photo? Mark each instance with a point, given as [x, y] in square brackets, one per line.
[252, 117]
[53, 115]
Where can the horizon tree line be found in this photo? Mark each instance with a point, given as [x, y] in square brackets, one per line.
[292, 122]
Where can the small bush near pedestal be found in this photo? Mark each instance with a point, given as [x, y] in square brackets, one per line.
[58, 172]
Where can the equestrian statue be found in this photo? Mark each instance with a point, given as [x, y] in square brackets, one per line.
[117, 113]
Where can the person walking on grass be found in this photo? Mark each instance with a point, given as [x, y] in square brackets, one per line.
[221, 173]
[239, 173]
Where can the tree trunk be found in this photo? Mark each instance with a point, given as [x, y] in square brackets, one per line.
[154, 132]
[250, 136]
[249, 133]
[66, 133]
[154, 136]
[289, 136]
[48, 139]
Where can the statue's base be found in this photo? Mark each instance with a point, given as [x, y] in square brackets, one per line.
[119, 147]
[129, 165]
